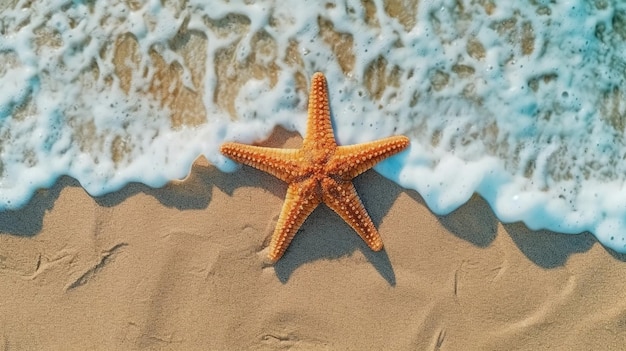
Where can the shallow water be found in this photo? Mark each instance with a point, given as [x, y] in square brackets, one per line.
[520, 103]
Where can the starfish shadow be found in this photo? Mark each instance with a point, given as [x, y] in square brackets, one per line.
[324, 235]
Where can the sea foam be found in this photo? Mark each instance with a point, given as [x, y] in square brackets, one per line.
[520, 102]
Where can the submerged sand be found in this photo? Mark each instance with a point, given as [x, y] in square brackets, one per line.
[184, 268]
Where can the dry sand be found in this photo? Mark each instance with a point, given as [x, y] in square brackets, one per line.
[183, 268]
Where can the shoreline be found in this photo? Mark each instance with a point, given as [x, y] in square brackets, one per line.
[183, 267]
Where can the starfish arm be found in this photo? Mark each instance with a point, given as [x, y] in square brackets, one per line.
[319, 132]
[342, 198]
[281, 163]
[321, 171]
[352, 160]
[300, 201]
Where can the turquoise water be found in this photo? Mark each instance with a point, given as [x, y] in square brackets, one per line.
[522, 103]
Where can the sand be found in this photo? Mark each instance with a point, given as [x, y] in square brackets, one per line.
[184, 268]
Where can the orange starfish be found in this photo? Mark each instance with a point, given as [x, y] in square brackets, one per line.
[319, 172]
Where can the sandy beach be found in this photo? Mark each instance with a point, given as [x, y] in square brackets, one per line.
[184, 268]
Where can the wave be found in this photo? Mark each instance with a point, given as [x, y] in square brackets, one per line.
[520, 102]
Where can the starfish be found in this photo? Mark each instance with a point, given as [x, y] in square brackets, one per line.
[319, 172]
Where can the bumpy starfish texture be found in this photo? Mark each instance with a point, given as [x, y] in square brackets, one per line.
[319, 172]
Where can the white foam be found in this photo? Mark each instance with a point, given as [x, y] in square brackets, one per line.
[536, 130]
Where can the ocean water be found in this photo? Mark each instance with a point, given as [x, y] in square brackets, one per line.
[519, 101]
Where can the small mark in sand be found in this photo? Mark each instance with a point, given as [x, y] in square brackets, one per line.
[457, 277]
[283, 340]
[105, 257]
[440, 338]
[38, 265]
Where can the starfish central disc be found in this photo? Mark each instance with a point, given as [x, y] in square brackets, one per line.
[319, 172]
